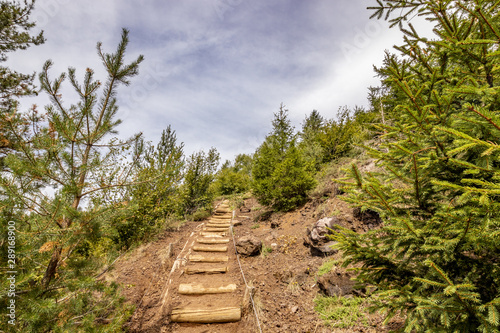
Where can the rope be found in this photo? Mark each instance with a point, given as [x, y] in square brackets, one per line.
[242, 274]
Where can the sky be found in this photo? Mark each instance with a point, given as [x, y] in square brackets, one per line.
[217, 70]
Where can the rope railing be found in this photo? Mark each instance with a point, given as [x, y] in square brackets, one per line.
[243, 275]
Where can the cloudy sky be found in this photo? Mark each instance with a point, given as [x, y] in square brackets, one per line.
[217, 70]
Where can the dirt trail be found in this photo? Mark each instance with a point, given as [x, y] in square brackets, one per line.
[284, 276]
[193, 270]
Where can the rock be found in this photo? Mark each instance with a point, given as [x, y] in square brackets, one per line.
[285, 276]
[317, 237]
[236, 223]
[294, 309]
[245, 209]
[248, 245]
[369, 217]
[336, 283]
[275, 224]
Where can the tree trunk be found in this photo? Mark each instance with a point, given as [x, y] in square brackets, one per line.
[50, 272]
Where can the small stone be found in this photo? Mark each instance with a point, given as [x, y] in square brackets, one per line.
[294, 309]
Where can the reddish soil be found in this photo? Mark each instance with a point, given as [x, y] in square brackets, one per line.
[285, 280]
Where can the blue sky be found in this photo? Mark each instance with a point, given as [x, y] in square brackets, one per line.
[217, 70]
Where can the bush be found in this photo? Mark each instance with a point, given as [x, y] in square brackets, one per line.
[281, 176]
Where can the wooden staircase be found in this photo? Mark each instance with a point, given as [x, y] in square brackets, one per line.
[209, 290]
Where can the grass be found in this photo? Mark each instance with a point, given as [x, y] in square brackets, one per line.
[265, 251]
[293, 287]
[327, 267]
[255, 226]
[341, 312]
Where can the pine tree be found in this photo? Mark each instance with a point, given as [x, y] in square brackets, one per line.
[281, 176]
[234, 177]
[199, 175]
[71, 149]
[155, 196]
[14, 35]
[435, 259]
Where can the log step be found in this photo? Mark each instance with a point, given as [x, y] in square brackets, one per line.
[216, 229]
[210, 248]
[213, 240]
[201, 270]
[213, 234]
[199, 289]
[200, 258]
[218, 225]
[206, 316]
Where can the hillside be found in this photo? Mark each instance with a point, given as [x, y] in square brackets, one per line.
[285, 275]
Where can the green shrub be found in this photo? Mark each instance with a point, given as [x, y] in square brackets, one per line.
[281, 176]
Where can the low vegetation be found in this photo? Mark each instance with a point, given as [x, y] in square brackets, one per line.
[342, 312]
[79, 197]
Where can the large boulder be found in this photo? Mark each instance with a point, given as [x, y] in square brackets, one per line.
[248, 245]
[317, 237]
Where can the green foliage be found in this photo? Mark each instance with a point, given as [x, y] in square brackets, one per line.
[234, 178]
[154, 197]
[327, 140]
[281, 176]
[60, 246]
[434, 261]
[327, 267]
[341, 312]
[196, 191]
[15, 26]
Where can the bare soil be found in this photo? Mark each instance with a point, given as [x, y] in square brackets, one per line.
[285, 279]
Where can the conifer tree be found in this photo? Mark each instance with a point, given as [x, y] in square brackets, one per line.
[199, 174]
[155, 196]
[70, 148]
[435, 259]
[14, 35]
[234, 177]
[281, 176]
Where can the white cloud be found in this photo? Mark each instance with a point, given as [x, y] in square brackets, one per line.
[217, 70]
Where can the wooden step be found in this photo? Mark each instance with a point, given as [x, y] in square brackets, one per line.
[205, 270]
[206, 316]
[210, 248]
[218, 225]
[220, 218]
[224, 229]
[199, 289]
[213, 240]
[201, 258]
[213, 234]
